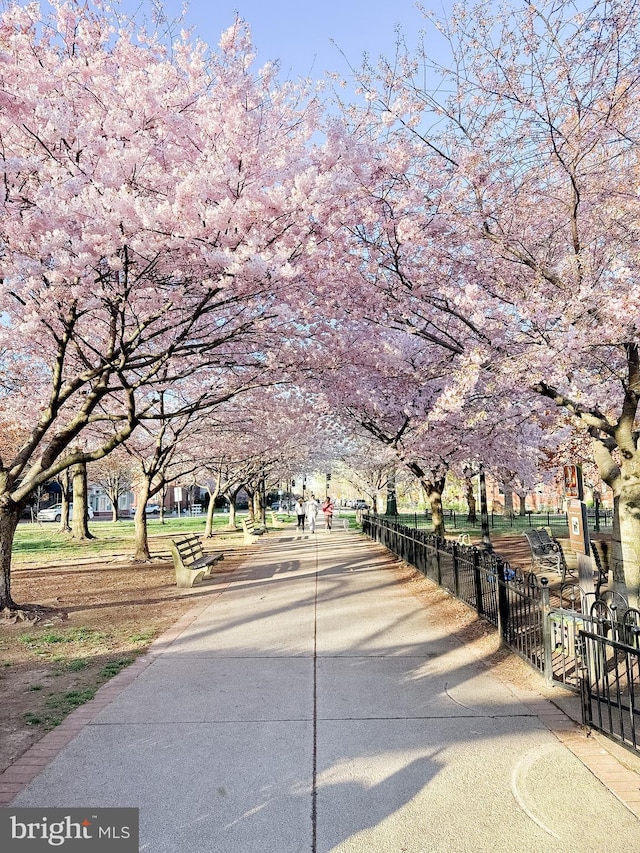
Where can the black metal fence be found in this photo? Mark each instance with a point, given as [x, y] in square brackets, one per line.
[596, 653]
[599, 519]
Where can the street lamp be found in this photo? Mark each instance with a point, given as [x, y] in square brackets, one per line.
[392, 500]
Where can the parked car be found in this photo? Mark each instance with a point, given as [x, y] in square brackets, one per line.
[54, 513]
[150, 509]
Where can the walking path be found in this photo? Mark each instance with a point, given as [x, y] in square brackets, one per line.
[312, 703]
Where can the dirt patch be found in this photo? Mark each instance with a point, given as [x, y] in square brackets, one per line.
[98, 617]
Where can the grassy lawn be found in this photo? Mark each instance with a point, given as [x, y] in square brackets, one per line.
[457, 524]
[43, 543]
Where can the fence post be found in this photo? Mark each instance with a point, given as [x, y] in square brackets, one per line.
[546, 631]
[477, 579]
[503, 604]
[456, 578]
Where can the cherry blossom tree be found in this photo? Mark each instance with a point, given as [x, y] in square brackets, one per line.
[427, 408]
[159, 462]
[150, 227]
[503, 223]
[174, 437]
[114, 475]
[367, 468]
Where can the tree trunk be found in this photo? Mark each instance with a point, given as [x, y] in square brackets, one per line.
[392, 498]
[252, 504]
[142, 553]
[113, 493]
[260, 503]
[232, 496]
[616, 563]
[508, 501]
[9, 516]
[208, 527]
[434, 494]
[80, 521]
[472, 516]
[65, 527]
[629, 519]
[624, 479]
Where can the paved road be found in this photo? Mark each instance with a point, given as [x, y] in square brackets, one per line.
[311, 703]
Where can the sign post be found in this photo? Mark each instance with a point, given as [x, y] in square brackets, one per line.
[578, 527]
[573, 485]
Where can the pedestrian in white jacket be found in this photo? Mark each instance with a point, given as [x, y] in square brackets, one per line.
[312, 513]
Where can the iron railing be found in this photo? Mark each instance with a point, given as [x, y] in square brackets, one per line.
[602, 519]
[596, 653]
[610, 687]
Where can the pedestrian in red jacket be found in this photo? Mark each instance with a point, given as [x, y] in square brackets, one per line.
[327, 509]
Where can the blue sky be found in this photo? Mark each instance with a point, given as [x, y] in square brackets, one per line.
[308, 37]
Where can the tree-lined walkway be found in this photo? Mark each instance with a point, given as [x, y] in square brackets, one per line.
[314, 703]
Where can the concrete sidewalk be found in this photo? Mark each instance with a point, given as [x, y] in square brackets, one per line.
[312, 704]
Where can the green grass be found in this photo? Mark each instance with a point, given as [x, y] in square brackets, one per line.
[114, 667]
[141, 637]
[75, 665]
[45, 644]
[58, 706]
[44, 544]
[498, 525]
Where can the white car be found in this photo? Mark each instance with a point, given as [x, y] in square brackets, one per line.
[150, 509]
[54, 513]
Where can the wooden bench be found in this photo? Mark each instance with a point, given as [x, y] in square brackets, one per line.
[190, 561]
[546, 553]
[251, 532]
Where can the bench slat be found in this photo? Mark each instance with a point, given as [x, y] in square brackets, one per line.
[191, 563]
[250, 529]
[545, 551]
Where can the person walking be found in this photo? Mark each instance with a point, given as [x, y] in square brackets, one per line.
[327, 509]
[299, 511]
[312, 513]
